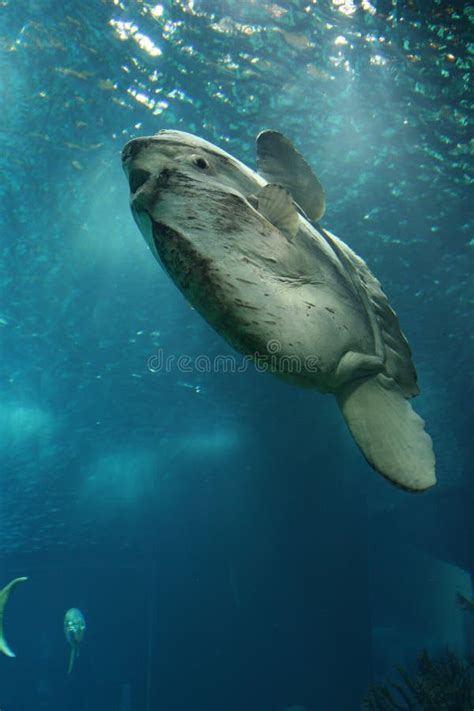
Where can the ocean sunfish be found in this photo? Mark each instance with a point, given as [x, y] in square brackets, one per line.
[4, 595]
[246, 250]
[74, 628]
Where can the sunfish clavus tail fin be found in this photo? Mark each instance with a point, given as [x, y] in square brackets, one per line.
[4, 595]
[388, 431]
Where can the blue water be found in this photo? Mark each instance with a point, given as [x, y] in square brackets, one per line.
[226, 542]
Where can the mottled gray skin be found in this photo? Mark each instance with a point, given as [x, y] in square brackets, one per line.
[306, 302]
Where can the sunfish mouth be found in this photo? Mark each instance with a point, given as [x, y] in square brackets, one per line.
[145, 188]
[137, 178]
[145, 185]
[133, 148]
[137, 175]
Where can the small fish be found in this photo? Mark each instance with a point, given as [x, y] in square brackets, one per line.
[74, 628]
[4, 595]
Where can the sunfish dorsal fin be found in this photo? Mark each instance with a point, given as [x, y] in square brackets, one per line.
[279, 162]
[4, 595]
[276, 204]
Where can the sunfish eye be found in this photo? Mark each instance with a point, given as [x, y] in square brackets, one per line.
[200, 162]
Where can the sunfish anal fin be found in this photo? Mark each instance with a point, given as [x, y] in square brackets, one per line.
[4, 595]
[388, 431]
[276, 205]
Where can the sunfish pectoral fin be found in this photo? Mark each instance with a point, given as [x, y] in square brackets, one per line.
[276, 205]
[388, 431]
[4, 595]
